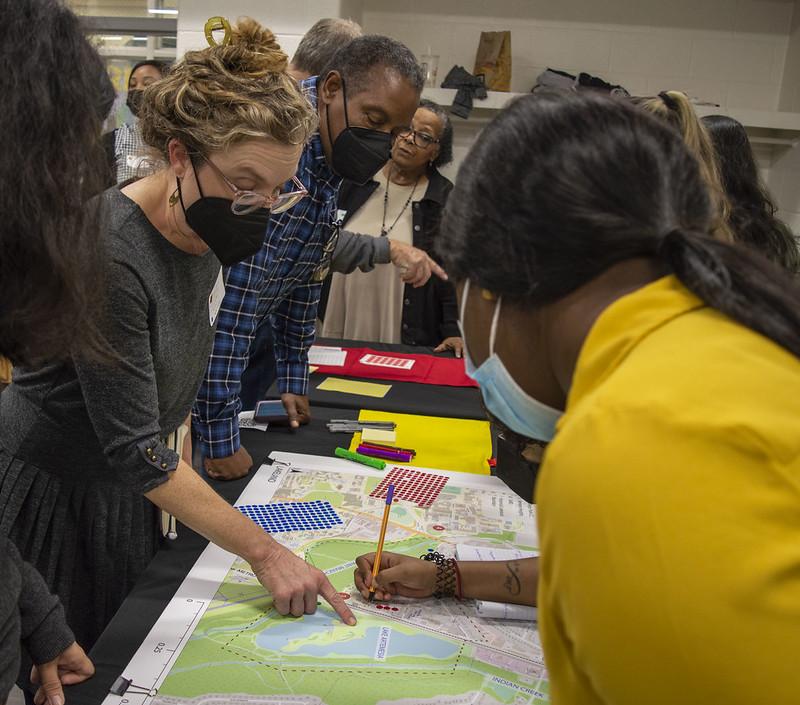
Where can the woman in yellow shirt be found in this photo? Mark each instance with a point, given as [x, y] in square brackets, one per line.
[669, 497]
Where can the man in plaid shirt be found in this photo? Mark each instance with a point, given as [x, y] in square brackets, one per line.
[370, 90]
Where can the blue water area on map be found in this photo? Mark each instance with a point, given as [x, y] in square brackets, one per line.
[291, 635]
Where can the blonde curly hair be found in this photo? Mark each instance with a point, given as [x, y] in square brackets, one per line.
[224, 94]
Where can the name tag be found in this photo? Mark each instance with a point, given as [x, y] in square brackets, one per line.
[215, 298]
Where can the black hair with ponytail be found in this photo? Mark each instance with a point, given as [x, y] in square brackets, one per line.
[560, 187]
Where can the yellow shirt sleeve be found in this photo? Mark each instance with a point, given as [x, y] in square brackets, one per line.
[670, 566]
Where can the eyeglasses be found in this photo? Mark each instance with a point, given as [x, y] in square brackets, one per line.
[245, 202]
[421, 139]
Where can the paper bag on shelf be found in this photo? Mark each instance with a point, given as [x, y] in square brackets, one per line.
[493, 60]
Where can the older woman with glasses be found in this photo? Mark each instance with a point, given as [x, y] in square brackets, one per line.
[91, 449]
[403, 202]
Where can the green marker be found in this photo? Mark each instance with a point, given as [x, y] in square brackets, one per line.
[358, 458]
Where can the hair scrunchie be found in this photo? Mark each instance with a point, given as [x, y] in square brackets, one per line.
[669, 101]
[671, 243]
[692, 256]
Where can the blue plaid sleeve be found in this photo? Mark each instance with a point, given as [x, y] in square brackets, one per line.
[216, 410]
[294, 326]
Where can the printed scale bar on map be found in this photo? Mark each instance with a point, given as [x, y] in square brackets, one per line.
[421, 488]
[292, 516]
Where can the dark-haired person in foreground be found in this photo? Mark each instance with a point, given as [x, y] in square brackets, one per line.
[668, 361]
[752, 213]
[368, 93]
[50, 266]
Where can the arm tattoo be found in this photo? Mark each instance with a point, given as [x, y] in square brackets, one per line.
[512, 582]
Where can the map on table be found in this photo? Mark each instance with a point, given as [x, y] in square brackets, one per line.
[221, 642]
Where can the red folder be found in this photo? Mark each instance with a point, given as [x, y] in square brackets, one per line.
[427, 369]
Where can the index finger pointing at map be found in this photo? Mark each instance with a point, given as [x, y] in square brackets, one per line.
[335, 600]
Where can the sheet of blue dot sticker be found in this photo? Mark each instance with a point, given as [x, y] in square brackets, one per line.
[292, 516]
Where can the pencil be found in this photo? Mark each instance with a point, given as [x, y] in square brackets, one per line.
[376, 566]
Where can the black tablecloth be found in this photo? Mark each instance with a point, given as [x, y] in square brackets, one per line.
[403, 397]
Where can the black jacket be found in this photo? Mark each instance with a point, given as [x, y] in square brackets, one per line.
[430, 312]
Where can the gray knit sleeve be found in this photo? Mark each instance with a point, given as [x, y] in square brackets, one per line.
[10, 587]
[121, 395]
[43, 627]
[357, 251]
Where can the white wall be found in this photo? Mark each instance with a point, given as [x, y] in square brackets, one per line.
[730, 52]
[784, 178]
[790, 93]
[784, 184]
[288, 19]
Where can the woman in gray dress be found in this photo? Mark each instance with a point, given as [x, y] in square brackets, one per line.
[85, 463]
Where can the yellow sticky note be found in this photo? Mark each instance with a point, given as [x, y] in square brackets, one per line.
[349, 386]
[376, 435]
[462, 445]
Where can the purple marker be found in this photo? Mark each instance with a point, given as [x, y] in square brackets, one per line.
[395, 455]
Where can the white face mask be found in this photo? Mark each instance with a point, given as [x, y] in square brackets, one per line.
[503, 397]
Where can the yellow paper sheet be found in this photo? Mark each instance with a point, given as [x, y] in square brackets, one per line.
[349, 386]
[462, 445]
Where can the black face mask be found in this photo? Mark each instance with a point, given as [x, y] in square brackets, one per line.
[134, 101]
[358, 152]
[232, 238]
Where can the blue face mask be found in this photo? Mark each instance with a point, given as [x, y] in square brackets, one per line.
[503, 397]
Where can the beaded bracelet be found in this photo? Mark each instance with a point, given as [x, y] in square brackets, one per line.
[448, 576]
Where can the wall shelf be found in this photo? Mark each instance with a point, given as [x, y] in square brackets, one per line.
[777, 130]
[766, 119]
[496, 100]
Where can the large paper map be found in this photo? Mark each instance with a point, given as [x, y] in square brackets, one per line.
[236, 649]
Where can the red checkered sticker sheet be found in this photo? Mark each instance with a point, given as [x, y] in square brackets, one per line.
[397, 363]
[421, 488]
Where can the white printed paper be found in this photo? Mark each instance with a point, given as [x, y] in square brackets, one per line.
[247, 420]
[321, 355]
[502, 610]
[466, 552]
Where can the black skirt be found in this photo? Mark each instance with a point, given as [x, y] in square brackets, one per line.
[90, 538]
